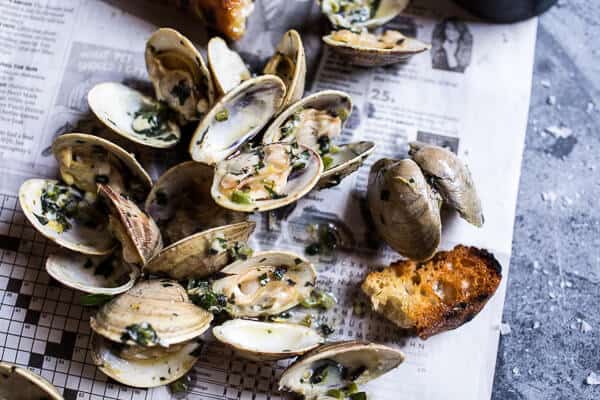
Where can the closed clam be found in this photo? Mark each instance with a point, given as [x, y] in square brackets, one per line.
[179, 74]
[134, 116]
[451, 177]
[226, 66]
[361, 13]
[266, 177]
[236, 118]
[92, 274]
[266, 341]
[404, 208]
[84, 161]
[18, 383]
[203, 253]
[289, 63]
[336, 367]
[317, 121]
[138, 234]
[181, 204]
[267, 283]
[144, 337]
[66, 216]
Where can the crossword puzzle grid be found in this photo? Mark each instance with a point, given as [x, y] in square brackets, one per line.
[43, 327]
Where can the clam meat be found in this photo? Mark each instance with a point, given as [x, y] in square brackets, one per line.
[361, 13]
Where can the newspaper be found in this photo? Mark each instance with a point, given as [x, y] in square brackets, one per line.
[470, 93]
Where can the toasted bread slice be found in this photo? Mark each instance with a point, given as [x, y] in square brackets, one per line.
[437, 295]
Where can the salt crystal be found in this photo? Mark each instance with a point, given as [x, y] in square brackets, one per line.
[536, 324]
[545, 83]
[552, 295]
[505, 329]
[551, 100]
[517, 372]
[585, 327]
[535, 265]
[549, 196]
[593, 379]
[559, 131]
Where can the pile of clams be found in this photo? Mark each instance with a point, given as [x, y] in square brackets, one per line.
[405, 198]
[160, 259]
[352, 39]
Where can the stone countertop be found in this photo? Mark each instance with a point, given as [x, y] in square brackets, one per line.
[553, 299]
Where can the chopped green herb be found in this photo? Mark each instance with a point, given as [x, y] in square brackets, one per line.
[240, 251]
[327, 161]
[202, 295]
[241, 197]
[319, 299]
[182, 91]
[351, 388]
[42, 220]
[307, 320]
[324, 144]
[218, 245]
[342, 113]
[142, 334]
[263, 279]
[358, 396]
[181, 385]
[222, 115]
[336, 394]
[279, 273]
[327, 239]
[153, 122]
[96, 299]
[326, 330]
[274, 195]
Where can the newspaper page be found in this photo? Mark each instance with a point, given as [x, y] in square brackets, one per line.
[470, 93]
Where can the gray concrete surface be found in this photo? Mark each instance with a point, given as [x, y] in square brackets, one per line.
[553, 300]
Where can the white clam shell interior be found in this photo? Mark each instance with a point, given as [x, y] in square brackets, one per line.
[227, 67]
[116, 106]
[78, 238]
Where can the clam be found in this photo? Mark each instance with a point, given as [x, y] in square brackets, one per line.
[138, 234]
[316, 121]
[451, 177]
[334, 367]
[226, 66]
[66, 216]
[17, 383]
[178, 74]
[266, 178]
[289, 63]
[92, 274]
[146, 334]
[361, 13]
[236, 118]
[404, 208]
[181, 204]
[134, 116]
[86, 160]
[373, 50]
[201, 254]
[267, 341]
[267, 283]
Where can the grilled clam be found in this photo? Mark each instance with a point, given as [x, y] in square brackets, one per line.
[144, 337]
[204, 253]
[92, 274]
[267, 283]
[451, 177]
[361, 13]
[179, 74]
[181, 204]
[236, 118]
[289, 63]
[134, 116]
[373, 50]
[138, 234]
[404, 208]
[86, 160]
[267, 341]
[226, 66]
[316, 121]
[17, 383]
[335, 367]
[66, 216]
[266, 178]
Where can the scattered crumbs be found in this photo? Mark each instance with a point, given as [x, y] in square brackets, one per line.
[549, 196]
[545, 83]
[505, 329]
[559, 131]
[584, 327]
[536, 265]
[567, 201]
[536, 325]
[552, 295]
[551, 100]
[590, 107]
[516, 371]
[593, 379]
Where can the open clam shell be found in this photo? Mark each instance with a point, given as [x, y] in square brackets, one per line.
[179, 74]
[181, 204]
[236, 118]
[267, 283]
[161, 304]
[452, 178]
[143, 373]
[138, 233]
[134, 116]
[17, 383]
[404, 208]
[266, 178]
[337, 365]
[86, 160]
[92, 274]
[226, 66]
[289, 63]
[362, 13]
[63, 215]
[197, 256]
[267, 341]
[347, 160]
[374, 50]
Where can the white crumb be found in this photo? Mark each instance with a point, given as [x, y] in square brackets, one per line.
[551, 100]
[545, 83]
[559, 131]
[593, 379]
[590, 107]
[585, 327]
[517, 372]
[536, 324]
[505, 329]
[549, 196]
